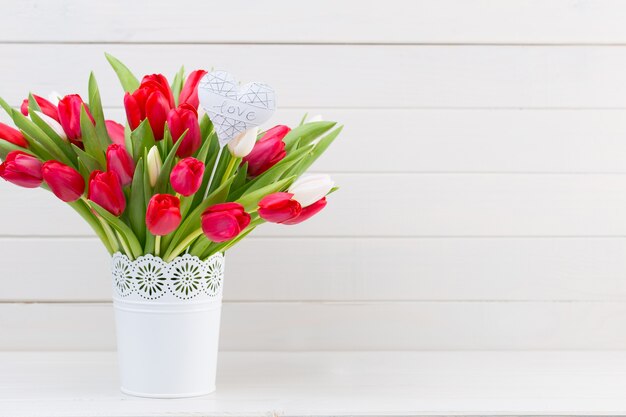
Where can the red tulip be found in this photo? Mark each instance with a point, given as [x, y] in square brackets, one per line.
[158, 82]
[135, 106]
[186, 177]
[182, 118]
[46, 107]
[116, 132]
[279, 208]
[152, 100]
[223, 222]
[13, 136]
[21, 169]
[119, 161]
[268, 150]
[105, 190]
[163, 214]
[64, 181]
[189, 93]
[308, 212]
[157, 109]
[69, 117]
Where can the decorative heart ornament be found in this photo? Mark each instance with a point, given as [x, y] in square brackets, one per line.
[234, 109]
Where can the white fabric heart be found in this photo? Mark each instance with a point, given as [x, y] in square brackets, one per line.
[234, 109]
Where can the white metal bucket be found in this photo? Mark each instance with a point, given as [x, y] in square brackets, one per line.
[167, 318]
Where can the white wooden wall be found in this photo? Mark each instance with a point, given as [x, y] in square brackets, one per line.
[483, 200]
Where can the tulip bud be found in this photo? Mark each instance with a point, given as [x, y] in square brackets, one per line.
[310, 188]
[119, 160]
[54, 125]
[189, 93]
[267, 151]
[154, 165]
[308, 212]
[21, 169]
[186, 177]
[163, 214]
[225, 221]
[185, 118]
[69, 116]
[13, 136]
[105, 190]
[242, 145]
[279, 208]
[116, 132]
[46, 107]
[64, 181]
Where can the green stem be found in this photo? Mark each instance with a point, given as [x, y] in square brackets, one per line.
[110, 234]
[229, 169]
[181, 247]
[81, 208]
[124, 245]
[157, 245]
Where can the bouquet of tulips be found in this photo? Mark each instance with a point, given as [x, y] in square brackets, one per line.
[146, 188]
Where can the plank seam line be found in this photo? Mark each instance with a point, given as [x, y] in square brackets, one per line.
[471, 44]
[339, 302]
[363, 237]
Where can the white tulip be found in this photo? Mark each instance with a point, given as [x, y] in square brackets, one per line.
[316, 118]
[310, 188]
[242, 145]
[154, 165]
[54, 125]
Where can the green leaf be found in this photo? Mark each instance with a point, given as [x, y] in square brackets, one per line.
[129, 82]
[137, 204]
[32, 103]
[34, 133]
[90, 139]
[147, 192]
[317, 151]
[125, 232]
[69, 157]
[163, 179]
[129, 144]
[192, 222]
[303, 119]
[240, 178]
[204, 251]
[8, 109]
[6, 147]
[250, 201]
[141, 138]
[36, 148]
[274, 173]
[95, 106]
[307, 133]
[177, 83]
[81, 208]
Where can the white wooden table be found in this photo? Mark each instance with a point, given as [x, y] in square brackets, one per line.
[330, 383]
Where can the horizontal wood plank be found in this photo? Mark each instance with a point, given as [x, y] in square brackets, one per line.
[384, 76]
[402, 205]
[514, 269]
[557, 383]
[498, 141]
[344, 326]
[284, 21]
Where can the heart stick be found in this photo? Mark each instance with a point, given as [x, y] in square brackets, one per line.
[233, 109]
